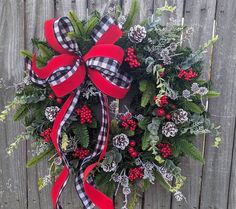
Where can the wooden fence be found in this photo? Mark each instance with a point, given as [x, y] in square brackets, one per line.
[211, 186]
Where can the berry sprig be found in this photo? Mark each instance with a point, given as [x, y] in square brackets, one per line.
[133, 153]
[85, 114]
[128, 122]
[135, 173]
[132, 58]
[46, 134]
[80, 153]
[187, 74]
[164, 149]
[53, 97]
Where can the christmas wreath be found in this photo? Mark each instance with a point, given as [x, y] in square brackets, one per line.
[64, 103]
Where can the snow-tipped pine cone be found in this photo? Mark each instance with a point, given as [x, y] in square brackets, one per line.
[137, 33]
[169, 129]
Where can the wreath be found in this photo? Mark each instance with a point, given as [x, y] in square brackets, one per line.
[103, 144]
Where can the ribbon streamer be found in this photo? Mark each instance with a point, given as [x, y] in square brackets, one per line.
[65, 73]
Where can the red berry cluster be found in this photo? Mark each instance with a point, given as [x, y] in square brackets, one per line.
[187, 74]
[161, 113]
[135, 173]
[164, 149]
[80, 153]
[85, 114]
[128, 122]
[46, 134]
[132, 58]
[133, 153]
[163, 101]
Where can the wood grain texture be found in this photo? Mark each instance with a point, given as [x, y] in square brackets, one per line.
[13, 177]
[198, 15]
[36, 12]
[216, 186]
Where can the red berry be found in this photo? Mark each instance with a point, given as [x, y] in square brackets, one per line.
[160, 112]
[59, 100]
[132, 143]
[168, 116]
[174, 106]
[131, 149]
[134, 154]
[51, 96]
[162, 74]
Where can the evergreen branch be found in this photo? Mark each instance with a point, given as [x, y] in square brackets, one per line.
[132, 15]
[36, 159]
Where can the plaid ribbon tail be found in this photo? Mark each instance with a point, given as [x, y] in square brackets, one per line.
[59, 122]
[88, 194]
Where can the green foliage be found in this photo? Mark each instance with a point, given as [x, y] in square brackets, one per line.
[36, 159]
[148, 91]
[104, 183]
[145, 140]
[165, 8]
[197, 56]
[143, 123]
[81, 132]
[20, 112]
[13, 146]
[217, 142]
[114, 127]
[212, 94]
[186, 147]
[131, 15]
[8, 108]
[134, 199]
[77, 24]
[193, 107]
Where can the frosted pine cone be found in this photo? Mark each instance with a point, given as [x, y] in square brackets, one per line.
[121, 141]
[169, 129]
[137, 33]
[51, 112]
[180, 116]
[109, 167]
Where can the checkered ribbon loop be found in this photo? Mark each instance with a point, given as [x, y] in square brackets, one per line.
[65, 73]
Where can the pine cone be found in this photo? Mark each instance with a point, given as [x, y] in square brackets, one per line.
[169, 129]
[137, 33]
[109, 167]
[121, 141]
[51, 112]
[180, 116]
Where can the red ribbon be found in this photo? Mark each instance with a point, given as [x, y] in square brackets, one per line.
[103, 48]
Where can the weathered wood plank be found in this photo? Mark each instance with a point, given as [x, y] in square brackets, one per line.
[98, 5]
[145, 8]
[81, 9]
[36, 12]
[63, 7]
[200, 16]
[13, 187]
[216, 172]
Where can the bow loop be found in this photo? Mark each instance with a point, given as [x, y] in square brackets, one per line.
[56, 33]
